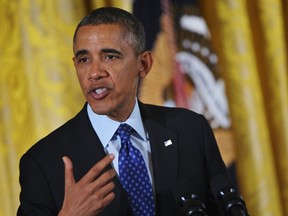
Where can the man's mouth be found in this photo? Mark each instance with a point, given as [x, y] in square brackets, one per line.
[100, 90]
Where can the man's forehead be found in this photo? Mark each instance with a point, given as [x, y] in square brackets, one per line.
[103, 33]
[102, 27]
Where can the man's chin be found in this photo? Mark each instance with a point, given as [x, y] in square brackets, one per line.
[100, 110]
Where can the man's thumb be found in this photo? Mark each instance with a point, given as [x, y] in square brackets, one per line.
[69, 176]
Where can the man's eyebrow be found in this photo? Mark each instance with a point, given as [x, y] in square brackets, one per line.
[109, 50]
[81, 52]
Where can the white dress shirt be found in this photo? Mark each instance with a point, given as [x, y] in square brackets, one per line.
[106, 128]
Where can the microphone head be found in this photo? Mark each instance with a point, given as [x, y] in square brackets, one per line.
[228, 196]
[219, 184]
[188, 196]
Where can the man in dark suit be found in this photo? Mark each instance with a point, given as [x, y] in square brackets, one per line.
[178, 146]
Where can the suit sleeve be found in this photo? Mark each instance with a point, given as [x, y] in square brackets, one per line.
[214, 161]
[36, 195]
[214, 166]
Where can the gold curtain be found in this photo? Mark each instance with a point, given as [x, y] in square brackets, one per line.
[250, 39]
[38, 87]
[39, 90]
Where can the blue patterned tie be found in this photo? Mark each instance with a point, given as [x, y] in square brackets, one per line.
[134, 175]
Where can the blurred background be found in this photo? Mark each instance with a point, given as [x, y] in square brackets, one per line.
[226, 59]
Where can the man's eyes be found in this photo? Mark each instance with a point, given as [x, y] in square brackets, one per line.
[111, 57]
[105, 57]
[84, 59]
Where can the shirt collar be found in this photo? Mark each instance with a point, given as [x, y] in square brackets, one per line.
[106, 127]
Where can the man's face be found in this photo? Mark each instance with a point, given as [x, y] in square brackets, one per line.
[108, 69]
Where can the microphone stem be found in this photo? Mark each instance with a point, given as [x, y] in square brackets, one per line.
[235, 211]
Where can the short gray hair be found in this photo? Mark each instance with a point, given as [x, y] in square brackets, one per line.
[113, 15]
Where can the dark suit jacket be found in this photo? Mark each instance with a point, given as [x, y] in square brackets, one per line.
[184, 167]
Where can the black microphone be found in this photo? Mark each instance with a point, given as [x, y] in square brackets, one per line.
[192, 206]
[188, 200]
[231, 201]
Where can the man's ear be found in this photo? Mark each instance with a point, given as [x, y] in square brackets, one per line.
[146, 63]
[74, 60]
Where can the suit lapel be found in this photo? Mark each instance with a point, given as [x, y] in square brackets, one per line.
[87, 148]
[164, 148]
[85, 152]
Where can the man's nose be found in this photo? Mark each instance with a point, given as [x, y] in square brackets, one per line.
[98, 70]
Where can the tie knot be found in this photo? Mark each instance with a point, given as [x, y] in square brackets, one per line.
[124, 131]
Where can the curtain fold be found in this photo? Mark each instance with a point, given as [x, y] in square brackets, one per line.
[250, 41]
[269, 39]
[10, 43]
[38, 87]
[124, 4]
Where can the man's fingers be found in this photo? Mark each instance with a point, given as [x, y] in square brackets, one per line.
[69, 176]
[96, 170]
[104, 179]
[107, 199]
[95, 187]
[104, 195]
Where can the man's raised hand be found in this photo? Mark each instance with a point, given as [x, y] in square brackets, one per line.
[91, 194]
